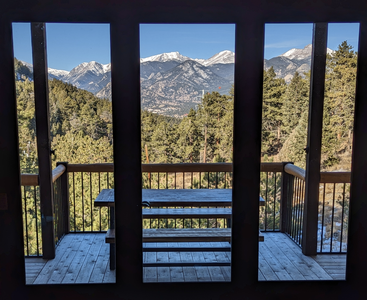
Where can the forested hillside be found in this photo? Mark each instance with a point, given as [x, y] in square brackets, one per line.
[81, 124]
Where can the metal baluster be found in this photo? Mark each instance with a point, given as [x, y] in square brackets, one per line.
[332, 220]
[26, 218]
[99, 208]
[74, 202]
[342, 220]
[266, 201]
[275, 197]
[322, 218]
[36, 209]
[91, 201]
[83, 198]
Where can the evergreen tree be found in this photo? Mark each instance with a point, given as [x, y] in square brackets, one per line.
[190, 138]
[273, 92]
[296, 99]
[211, 112]
[339, 104]
[293, 148]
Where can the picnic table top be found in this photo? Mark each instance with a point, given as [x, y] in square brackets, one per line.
[176, 197]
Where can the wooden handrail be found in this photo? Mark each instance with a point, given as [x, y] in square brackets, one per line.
[57, 172]
[170, 168]
[102, 167]
[29, 179]
[335, 177]
[295, 171]
[325, 177]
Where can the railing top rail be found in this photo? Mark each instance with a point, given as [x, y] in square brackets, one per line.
[335, 177]
[29, 179]
[325, 177]
[57, 172]
[101, 167]
[295, 171]
[170, 168]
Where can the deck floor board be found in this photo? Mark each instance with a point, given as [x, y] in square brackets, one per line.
[84, 258]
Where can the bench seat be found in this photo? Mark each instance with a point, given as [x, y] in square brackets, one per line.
[182, 235]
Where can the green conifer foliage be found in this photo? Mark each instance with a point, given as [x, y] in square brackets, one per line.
[339, 104]
[296, 99]
[190, 138]
[272, 119]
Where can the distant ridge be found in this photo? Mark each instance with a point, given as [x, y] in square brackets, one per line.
[172, 83]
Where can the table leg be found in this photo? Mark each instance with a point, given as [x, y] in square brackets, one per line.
[112, 246]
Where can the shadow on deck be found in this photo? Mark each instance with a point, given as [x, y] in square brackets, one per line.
[84, 258]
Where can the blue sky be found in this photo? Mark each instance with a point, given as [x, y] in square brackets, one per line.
[71, 44]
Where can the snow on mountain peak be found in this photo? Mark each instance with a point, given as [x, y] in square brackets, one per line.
[58, 73]
[223, 57]
[165, 57]
[106, 68]
[299, 54]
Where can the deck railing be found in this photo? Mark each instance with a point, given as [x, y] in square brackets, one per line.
[294, 184]
[31, 215]
[282, 186]
[60, 201]
[334, 202]
[86, 182]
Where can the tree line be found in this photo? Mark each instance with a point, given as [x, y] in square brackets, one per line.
[81, 124]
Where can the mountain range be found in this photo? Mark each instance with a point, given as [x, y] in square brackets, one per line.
[172, 83]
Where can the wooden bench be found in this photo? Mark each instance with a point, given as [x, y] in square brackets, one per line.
[165, 235]
[181, 235]
[186, 213]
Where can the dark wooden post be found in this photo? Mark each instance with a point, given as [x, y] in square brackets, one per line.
[357, 227]
[65, 198]
[285, 183]
[246, 150]
[43, 137]
[315, 116]
[12, 274]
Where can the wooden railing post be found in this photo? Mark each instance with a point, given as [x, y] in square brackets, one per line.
[284, 195]
[43, 137]
[65, 197]
[314, 136]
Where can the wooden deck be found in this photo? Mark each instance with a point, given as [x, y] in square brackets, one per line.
[84, 258]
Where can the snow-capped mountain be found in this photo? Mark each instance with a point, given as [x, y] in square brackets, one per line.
[164, 57]
[286, 64]
[175, 91]
[300, 54]
[223, 57]
[171, 83]
[91, 76]
[58, 74]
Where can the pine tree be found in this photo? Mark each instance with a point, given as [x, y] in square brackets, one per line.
[293, 148]
[190, 138]
[211, 112]
[296, 100]
[339, 104]
[273, 92]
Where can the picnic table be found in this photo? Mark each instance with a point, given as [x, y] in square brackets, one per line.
[176, 204]
[176, 197]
